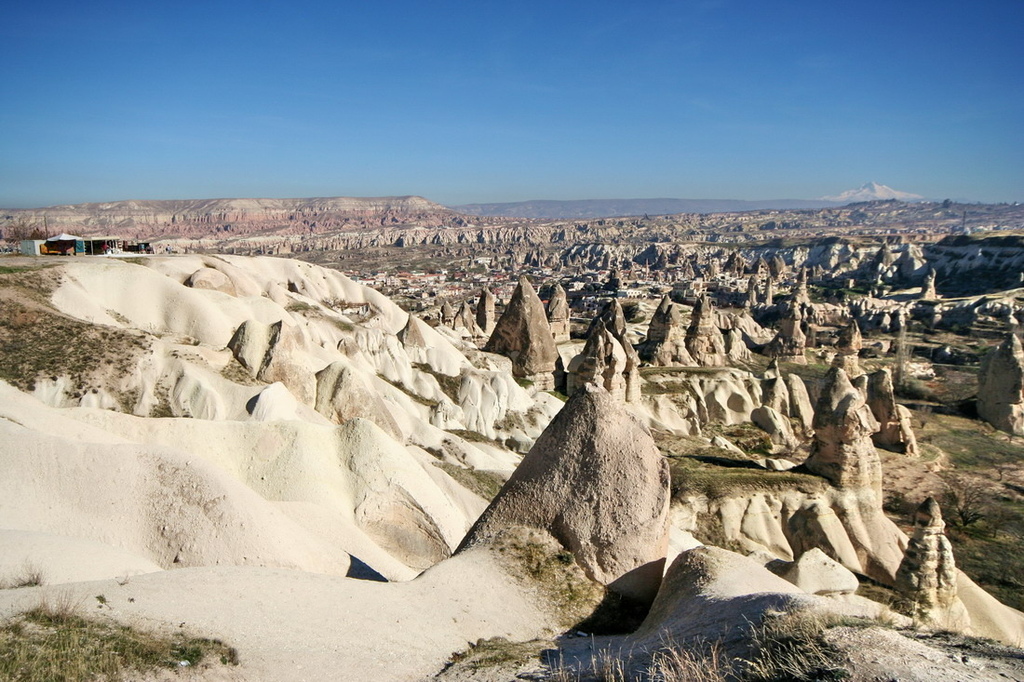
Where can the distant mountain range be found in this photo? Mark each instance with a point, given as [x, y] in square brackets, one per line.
[607, 208]
[872, 191]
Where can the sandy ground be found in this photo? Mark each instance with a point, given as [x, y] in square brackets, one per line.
[291, 626]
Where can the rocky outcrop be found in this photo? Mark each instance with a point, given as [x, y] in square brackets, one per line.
[558, 315]
[927, 577]
[605, 363]
[465, 319]
[266, 352]
[614, 321]
[523, 335]
[789, 343]
[596, 481]
[666, 337]
[928, 292]
[800, 407]
[848, 349]
[1001, 387]
[342, 393]
[486, 317]
[776, 426]
[704, 341]
[895, 431]
[817, 573]
[842, 450]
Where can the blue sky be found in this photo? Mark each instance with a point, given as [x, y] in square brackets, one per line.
[485, 101]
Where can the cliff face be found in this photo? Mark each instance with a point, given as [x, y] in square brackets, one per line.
[206, 217]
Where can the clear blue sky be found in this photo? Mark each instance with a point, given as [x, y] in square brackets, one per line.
[476, 101]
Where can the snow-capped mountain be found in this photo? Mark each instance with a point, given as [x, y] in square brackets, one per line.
[872, 191]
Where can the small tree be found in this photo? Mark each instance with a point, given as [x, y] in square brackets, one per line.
[965, 499]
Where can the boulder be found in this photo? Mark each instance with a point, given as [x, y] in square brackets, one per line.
[209, 278]
[268, 353]
[776, 426]
[596, 481]
[342, 394]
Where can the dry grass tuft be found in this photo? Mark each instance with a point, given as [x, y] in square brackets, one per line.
[55, 641]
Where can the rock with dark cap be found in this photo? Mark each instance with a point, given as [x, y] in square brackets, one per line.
[558, 314]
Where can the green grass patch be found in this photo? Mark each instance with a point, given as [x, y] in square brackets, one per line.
[450, 385]
[489, 654]
[970, 444]
[996, 562]
[56, 642]
[698, 468]
[486, 484]
[37, 341]
[538, 559]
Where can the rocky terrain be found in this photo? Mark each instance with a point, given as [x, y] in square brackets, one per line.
[809, 477]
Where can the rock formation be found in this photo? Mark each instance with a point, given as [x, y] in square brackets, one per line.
[465, 319]
[800, 295]
[895, 431]
[604, 362]
[266, 351]
[848, 349]
[817, 573]
[842, 450]
[486, 317]
[596, 481]
[665, 344]
[447, 314]
[928, 292]
[523, 335]
[342, 393]
[800, 407]
[776, 426]
[789, 343]
[1001, 387]
[704, 340]
[558, 314]
[614, 321]
[927, 577]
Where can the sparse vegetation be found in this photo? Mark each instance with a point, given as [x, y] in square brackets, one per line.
[486, 484]
[36, 341]
[54, 641]
[29, 575]
[537, 558]
[791, 648]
